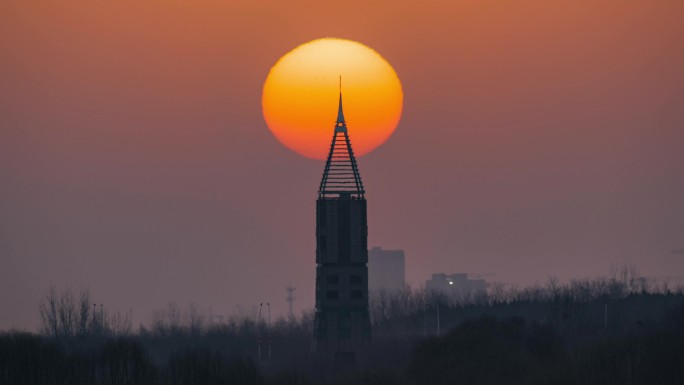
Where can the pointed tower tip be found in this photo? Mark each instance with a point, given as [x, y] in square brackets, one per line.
[341, 176]
[340, 113]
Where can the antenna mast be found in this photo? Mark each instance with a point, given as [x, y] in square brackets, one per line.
[290, 298]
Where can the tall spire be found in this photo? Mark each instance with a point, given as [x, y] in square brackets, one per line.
[341, 176]
[340, 113]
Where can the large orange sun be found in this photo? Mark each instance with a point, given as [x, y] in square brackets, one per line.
[301, 92]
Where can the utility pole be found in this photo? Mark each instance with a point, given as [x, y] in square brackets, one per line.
[261, 305]
[268, 330]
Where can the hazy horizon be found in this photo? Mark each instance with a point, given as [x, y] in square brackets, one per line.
[537, 139]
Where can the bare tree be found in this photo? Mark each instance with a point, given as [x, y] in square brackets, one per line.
[63, 315]
[117, 324]
[168, 320]
[67, 313]
[553, 287]
[84, 314]
[196, 319]
[48, 313]
[174, 317]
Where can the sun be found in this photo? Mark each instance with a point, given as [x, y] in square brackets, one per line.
[300, 96]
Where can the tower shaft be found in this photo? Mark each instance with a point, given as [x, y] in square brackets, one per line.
[342, 322]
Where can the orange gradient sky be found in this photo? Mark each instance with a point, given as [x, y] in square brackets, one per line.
[536, 138]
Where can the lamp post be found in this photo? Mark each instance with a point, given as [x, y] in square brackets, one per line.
[261, 305]
[268, 329]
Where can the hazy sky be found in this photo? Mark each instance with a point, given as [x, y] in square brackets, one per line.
[538, 138]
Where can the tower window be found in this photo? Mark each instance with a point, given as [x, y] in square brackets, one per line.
[366, 333]
[356, 294]
[355, 279]
[333, 279]
[344, 333]
[332, 294]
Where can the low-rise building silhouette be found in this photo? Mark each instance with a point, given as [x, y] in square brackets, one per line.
[386, 269]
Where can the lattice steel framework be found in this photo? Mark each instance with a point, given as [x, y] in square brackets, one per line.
[341, 174]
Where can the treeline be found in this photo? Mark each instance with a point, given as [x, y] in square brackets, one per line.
[619, 329]
[479, 351]
[30, 359]
[515, 351]
[65, 315]
[581, 309]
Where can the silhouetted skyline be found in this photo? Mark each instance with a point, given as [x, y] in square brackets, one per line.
[537, 139]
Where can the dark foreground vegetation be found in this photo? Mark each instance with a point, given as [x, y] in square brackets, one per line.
[618, 330]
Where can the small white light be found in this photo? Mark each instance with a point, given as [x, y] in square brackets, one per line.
[451, 282]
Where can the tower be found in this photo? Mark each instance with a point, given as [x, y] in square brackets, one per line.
[290, 299]
[342, 323]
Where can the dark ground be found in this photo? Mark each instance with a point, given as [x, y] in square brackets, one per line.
[590, 332]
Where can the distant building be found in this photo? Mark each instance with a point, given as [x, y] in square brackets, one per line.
[386, 269]
[455, 284]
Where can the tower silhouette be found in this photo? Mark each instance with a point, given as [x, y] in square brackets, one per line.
[290, 299]
[342, 323]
